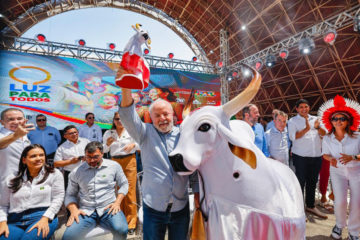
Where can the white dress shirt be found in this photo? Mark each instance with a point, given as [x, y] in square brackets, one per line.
[92, 133]
[94, 188]
[69, 150]
[32, 195]
[10, 156]
[308, 145]
[117, 147]
[278, 144]
[348, 145]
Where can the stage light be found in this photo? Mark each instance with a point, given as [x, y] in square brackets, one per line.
[357, 23]
[41, 37]
[270, 61]
[246, 72]
[220, 64]
[330, 36]
[234, 74]
[81, 42]
[111, 46]
[284, 53]
[171, 55]
[258, 65]
[306, 45]
[229, 77]
[194, 59]
[211, 52]
[243, 27]
[146, 51]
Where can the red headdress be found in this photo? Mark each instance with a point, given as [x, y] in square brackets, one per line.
[341, 105]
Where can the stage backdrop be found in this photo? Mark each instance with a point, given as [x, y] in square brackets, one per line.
[65, 89]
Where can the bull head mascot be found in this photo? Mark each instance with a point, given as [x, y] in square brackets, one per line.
[244, 195]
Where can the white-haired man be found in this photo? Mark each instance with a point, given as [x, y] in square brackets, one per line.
[165, 192]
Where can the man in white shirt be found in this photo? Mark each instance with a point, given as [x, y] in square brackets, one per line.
[71, 152]
[277, 138]
[90, 130]
[91, 197]
[305, 132]
[13, 140]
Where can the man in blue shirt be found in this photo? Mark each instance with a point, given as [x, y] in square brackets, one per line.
[47, 136]
[251, 116]
[165, 193]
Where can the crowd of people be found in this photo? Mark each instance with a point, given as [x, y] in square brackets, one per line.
[39, 174]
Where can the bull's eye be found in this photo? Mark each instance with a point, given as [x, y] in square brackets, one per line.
[204, 127]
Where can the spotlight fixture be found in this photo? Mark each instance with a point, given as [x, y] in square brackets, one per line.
[306, 45]
[146, 51]
[258, 65]
[219, 64]
[270, 61]
[111, 46]
[41, 37]
[81, 42]
[245, 72]
[284, 53]
[194, 59]
[357, 23]
[330, 36]
[243, 27]
[235, 74]
[229, 77]
[171, 55]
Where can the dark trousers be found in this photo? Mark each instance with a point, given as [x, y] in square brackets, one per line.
[155, 223]
[307, 172]
[66, 178]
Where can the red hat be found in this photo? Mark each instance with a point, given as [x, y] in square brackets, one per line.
[340, 105]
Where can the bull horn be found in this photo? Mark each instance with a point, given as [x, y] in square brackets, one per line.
[240, 101]
[188, 104]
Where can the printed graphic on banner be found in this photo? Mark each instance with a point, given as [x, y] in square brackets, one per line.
[65, 89]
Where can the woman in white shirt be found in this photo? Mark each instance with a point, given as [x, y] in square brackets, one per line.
[341, 147]
[32, 198]
[122, 150]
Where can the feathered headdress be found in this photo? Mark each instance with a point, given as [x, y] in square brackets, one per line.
[340, 105]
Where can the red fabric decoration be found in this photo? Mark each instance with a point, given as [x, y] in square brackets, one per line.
[133, 73]
[340, 106]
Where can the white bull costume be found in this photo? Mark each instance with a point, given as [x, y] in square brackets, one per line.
[247, 196]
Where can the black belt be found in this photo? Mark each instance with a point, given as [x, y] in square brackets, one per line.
[169, 207]
[122, 156]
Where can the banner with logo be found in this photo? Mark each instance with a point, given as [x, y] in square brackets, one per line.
[65, 89]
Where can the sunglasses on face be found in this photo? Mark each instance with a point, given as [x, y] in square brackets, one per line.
[41, 120]
[342, 119]
[117, 119]
[90, 117]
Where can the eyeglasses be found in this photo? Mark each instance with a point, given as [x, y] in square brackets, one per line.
[96, 157]
[117, 119]
[41, 120]
[342, 119]
[90, 117]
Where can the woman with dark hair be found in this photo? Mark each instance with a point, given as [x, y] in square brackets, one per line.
[341, 147]
[32, 198]
[122, 149]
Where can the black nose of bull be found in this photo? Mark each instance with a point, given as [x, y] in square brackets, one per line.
[177, 163]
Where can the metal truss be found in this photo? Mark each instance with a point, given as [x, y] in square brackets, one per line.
[224, 58]
[53, 7]
[335, 22]
[74, 51]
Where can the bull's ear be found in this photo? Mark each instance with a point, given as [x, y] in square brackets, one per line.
[245, 154]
